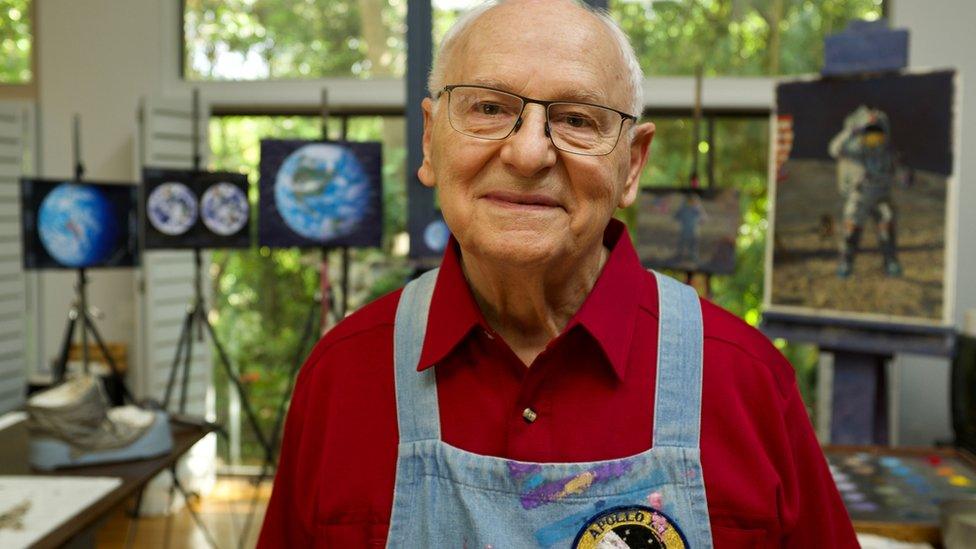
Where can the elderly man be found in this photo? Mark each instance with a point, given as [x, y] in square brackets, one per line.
[541, 389]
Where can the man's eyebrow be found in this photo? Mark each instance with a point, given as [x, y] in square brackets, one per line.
[583, 96]
[570, 94]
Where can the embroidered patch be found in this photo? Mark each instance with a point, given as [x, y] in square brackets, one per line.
[630, 527]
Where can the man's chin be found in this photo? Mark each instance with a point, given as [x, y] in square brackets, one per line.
[516, 249]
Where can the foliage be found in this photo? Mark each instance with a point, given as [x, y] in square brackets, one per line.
[272, 39]
[275, 39]
[735, 37]
[261, 297]
[16, 41]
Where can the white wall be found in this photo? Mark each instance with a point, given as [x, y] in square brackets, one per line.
[95, 58]
[942, 35]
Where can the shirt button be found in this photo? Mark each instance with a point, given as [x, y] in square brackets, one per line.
[529, 415]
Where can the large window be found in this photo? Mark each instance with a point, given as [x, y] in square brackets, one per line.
[262, 297]
[282, 39]
[285, 39]
[735, 37]
[726, 37]
[16, 42]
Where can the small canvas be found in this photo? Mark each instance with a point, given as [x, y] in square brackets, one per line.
[70, 225]
[320, 194]
[688, 229]
[862, 168]
[189, 209]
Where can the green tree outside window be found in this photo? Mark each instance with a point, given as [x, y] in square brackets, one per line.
[285, 39]
[735, 37]
[16, 42]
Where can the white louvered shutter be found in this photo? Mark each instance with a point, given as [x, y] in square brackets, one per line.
[167, 276]
[16, 123]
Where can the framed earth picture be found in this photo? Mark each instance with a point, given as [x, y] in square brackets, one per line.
[185, 209]
[71, 225]
[320, 194]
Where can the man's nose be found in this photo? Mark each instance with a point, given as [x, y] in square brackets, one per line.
[529, 150]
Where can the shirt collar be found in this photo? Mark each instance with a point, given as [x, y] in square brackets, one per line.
[453, 310]
[608, 313]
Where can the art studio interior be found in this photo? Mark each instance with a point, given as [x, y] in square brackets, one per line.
[194, 193]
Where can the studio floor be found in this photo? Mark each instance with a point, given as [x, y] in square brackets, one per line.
[223, 512]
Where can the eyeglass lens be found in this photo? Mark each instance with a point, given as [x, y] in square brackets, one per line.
[575, 127]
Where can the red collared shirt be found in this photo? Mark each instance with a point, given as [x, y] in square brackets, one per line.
[592, 391]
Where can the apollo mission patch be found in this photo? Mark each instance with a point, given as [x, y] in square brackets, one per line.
[630, 527]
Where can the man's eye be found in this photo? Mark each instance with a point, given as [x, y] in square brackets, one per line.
[489, 109]
[576, 120]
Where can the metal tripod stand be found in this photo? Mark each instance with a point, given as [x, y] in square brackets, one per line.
[80, 318]
[195, 324]
[79, 314]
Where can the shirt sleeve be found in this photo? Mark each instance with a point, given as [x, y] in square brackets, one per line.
[283, 521]
[813, 511]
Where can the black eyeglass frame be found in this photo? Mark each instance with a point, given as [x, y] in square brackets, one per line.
[545, 105]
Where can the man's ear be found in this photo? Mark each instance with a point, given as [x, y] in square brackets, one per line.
[640, 146]
[426, 171]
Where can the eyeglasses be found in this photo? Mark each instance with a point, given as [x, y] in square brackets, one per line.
[578, 128]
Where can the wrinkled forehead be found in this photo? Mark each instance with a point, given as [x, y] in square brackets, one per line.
[550, 47]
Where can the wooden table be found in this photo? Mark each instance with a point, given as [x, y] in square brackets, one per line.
[134, 475]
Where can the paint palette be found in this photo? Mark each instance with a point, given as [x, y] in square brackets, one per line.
[884, 485]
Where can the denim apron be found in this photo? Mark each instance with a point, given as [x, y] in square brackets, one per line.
[448, 497]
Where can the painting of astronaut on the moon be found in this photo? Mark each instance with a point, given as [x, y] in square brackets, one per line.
[861, 169]
[688, 230]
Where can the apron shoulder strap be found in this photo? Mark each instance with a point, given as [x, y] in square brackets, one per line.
[418, 416]
[677, 400]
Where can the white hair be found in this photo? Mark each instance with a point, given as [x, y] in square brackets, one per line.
[435, 81]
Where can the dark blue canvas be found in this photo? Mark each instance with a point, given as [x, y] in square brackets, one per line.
[320, 194]
[70, 225]
[220, 216]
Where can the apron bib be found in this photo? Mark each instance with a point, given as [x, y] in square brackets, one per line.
[447, 497]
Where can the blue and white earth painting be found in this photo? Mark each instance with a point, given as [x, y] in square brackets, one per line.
[225, 209]
[322, 192]
[172, 208]
[436, 235]
[78, 225]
